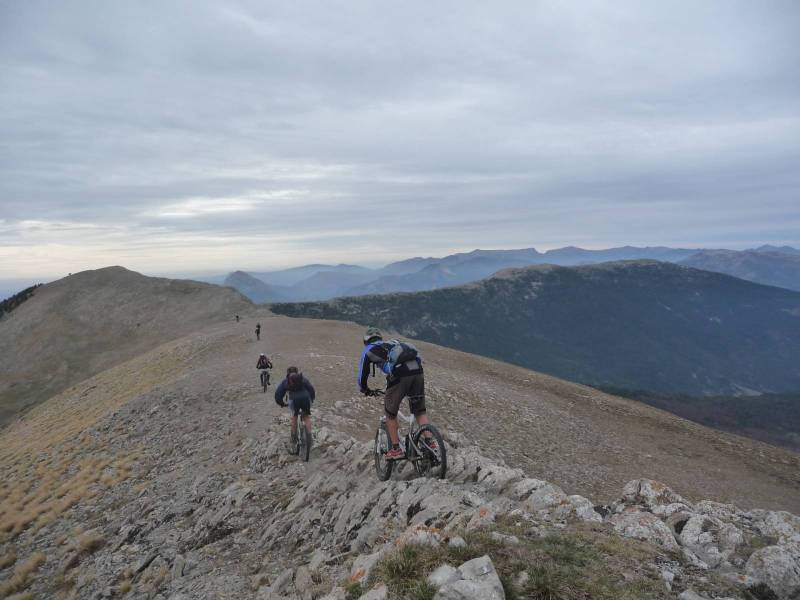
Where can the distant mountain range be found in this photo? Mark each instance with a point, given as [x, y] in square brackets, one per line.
[769, 265]
[631, 325]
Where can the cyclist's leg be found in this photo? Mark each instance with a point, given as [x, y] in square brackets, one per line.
[395, 392]
[416, 400]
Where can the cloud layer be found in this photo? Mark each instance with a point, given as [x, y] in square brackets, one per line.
[190, 136]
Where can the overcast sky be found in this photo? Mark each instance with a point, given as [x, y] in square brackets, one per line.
[188, 136]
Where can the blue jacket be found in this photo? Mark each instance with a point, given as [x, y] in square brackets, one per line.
[379, 354]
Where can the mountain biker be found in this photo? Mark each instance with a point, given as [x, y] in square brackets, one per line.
[406, 379]
[263, 364]
[258, 331]
[301, 395]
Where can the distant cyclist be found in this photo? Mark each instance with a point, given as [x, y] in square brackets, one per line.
[404, 377]
[263, 364]
[301, 395]
[258, 331]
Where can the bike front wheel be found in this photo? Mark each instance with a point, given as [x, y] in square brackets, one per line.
[383, 467]
[432, 461]
[304, 443]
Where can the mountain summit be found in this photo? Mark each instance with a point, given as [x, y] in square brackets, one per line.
[85, 323]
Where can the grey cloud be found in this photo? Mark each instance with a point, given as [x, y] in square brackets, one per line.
[460, 125]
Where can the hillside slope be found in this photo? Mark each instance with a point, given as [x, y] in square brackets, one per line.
[85, 323]
[166, 475]
[639, 325]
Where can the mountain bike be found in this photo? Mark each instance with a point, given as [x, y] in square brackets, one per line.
[302, 444]
[427, 461]
[265, 379]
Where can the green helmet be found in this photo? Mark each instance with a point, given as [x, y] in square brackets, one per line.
[372, 334]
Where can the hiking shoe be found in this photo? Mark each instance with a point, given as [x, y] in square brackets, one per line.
[394, 454]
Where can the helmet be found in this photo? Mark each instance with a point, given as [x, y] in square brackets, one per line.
[262, 354]
[371, 335]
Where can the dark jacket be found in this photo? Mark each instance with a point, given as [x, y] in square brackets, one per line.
[263, 363]
[306, 391]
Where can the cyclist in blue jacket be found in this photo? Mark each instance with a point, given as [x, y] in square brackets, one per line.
[403, 379]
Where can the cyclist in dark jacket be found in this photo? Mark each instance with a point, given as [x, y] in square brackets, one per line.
[263, 365]
[301, 395]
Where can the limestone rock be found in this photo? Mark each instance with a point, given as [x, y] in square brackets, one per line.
[711, 540]
[303, 582]
[584, 509]
[337, 593]
[483, 516]
[363, 566]
[283, 582]
[482, 572]
[378, 593]
[443, 575]
[779, 524]
[547, 498]
[650, 494]
[778, 567]
[644, 526]
[456, 542]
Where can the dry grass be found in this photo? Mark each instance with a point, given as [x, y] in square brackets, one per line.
[66, 416]
[124, 587]
[81, 546]
[8, 559]
[21, 576]
[53, 487]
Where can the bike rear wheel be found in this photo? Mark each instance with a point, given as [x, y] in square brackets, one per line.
[432, 462]
[383, 467]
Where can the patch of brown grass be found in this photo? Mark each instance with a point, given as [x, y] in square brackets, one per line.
[22, 573]
[47, 491]
[82, 546]
[124, 587]
[8, 559]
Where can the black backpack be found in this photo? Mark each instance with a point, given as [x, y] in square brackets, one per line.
[398, 353]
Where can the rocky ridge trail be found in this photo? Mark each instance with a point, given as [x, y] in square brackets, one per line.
[167, 477]
[259, 523]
